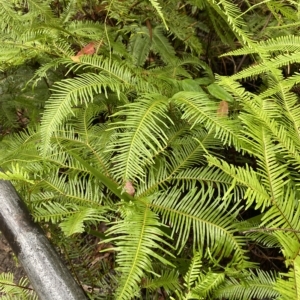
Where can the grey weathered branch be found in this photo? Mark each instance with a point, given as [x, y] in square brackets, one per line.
[47, 273]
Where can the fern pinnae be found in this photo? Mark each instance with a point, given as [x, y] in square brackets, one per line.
[139, 45]
[41, 10]
[161, 45]
[199, 108]
[204, 219]
[248, 178]
[141, 136]
[12, 290]
[134, 258]
[256, 283]
[158, 8]
[231, 12]
[68, 93]
[208, 176]
[193, 271]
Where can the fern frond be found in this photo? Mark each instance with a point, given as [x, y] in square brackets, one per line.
[162, 46]
[282, 44]
[207, 284]
[75, 223]
[280, 216]
[168, 280]
[249, 285]
[158, 8]
[87, 29]
[288, 284]
[208, 176]
[40, 10]
[10, 290]
[141, 136]
[68, 93]
[211, 223]
[138, 240]
[16, 174]
[230, 11]
[248, 178]
[139, 46]
[194, 270]
[199, 108]
[9, 16]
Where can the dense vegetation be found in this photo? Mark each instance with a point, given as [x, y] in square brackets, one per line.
[157, 142]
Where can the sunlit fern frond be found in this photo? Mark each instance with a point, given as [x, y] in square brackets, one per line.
[138, 241]
[249, 284]
[211, 223]
[141, 136]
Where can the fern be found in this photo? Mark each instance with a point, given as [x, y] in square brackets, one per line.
[143, 111]
[15, 291]
[135, 259]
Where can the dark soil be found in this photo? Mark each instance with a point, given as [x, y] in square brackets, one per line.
[8, 262]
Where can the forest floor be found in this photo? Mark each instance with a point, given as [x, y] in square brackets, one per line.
[8, 262]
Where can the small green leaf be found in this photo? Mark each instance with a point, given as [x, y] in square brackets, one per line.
[191, 85]
[219, 93]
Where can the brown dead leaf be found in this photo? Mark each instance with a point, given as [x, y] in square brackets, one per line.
[222, 109]
[129, 188]
[89, 49]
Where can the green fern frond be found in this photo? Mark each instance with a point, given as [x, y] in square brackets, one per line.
[87, 29]
[199, 108]
[141, 136]
[139, 46]
[194, 270]
[68, 93]
[279, 216]
[9, 16]
[158, 8]
[288, 284]
[211, 223]
[138, 239]
[230, 11]
[273, 175]
[183, 27]
[10, 290]
[282, 44]
[168, 280]
[162, 46]
[16, 173]
[248, 178]
[249, 285]
[209, 176]
[75, 223]
[206, 285]
[40, 9]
